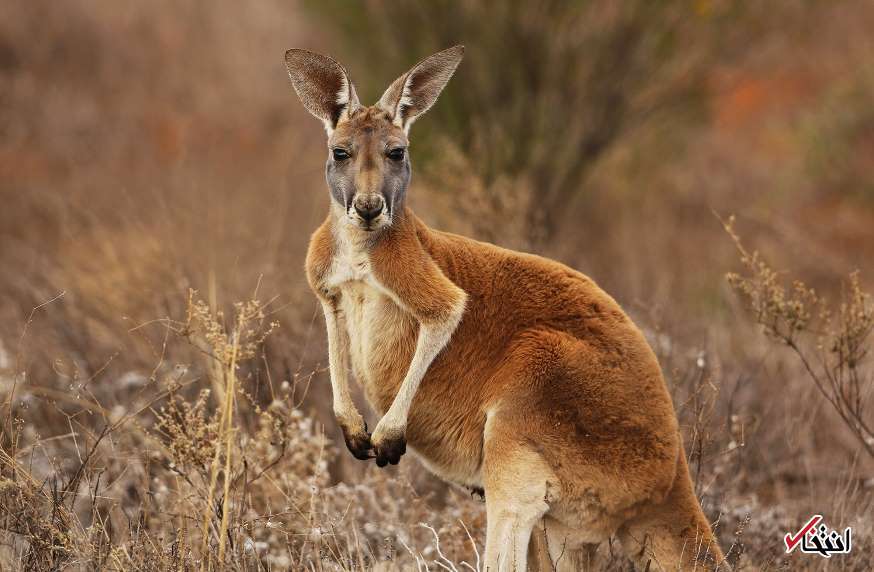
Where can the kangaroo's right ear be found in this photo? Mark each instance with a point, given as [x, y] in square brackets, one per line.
[322, 85]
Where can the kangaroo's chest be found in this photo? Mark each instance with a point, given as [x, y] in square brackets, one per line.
[382, 339]
[382, 336]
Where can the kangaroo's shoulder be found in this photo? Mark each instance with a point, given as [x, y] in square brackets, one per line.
[402, 264]
[455, 253]
[320, 256]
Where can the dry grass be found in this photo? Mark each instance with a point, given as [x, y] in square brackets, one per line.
[196, 479]
[147, 150]
[836, 358]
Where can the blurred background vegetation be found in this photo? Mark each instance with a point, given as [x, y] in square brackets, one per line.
[150, 148]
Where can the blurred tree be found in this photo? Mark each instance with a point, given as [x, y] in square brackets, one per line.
[839, 140]
[546, 87]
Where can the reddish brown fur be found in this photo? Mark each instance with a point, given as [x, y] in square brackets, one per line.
[558, 354]
[546, 395]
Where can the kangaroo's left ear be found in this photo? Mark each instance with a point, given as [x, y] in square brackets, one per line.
[415, 92]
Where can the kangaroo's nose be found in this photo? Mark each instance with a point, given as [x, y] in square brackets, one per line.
[368, 207]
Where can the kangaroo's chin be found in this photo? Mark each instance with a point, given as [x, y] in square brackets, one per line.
[369, 226]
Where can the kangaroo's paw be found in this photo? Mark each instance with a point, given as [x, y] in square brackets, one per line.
[357, 441]
[389, 446]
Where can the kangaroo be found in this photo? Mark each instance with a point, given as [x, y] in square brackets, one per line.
[504, 372]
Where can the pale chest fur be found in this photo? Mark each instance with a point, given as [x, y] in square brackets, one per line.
[382, 335]
[381, 340]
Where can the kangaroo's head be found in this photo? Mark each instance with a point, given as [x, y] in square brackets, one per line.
[368, 168]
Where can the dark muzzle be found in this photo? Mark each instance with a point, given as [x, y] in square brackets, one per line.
[368, 207]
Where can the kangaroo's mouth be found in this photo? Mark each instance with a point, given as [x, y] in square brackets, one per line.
[372, 225]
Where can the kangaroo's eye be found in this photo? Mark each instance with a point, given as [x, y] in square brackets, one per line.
[340, 154]
[397, 154]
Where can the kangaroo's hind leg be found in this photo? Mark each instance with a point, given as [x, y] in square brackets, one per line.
[674, 534]
[554, 550]
[517, 484]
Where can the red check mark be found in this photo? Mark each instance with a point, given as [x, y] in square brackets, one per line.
[792, 541]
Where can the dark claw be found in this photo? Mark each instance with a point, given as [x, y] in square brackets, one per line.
[390, 450]
[358, 443]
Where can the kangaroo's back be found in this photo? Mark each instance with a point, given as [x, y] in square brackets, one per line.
[511, 291]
